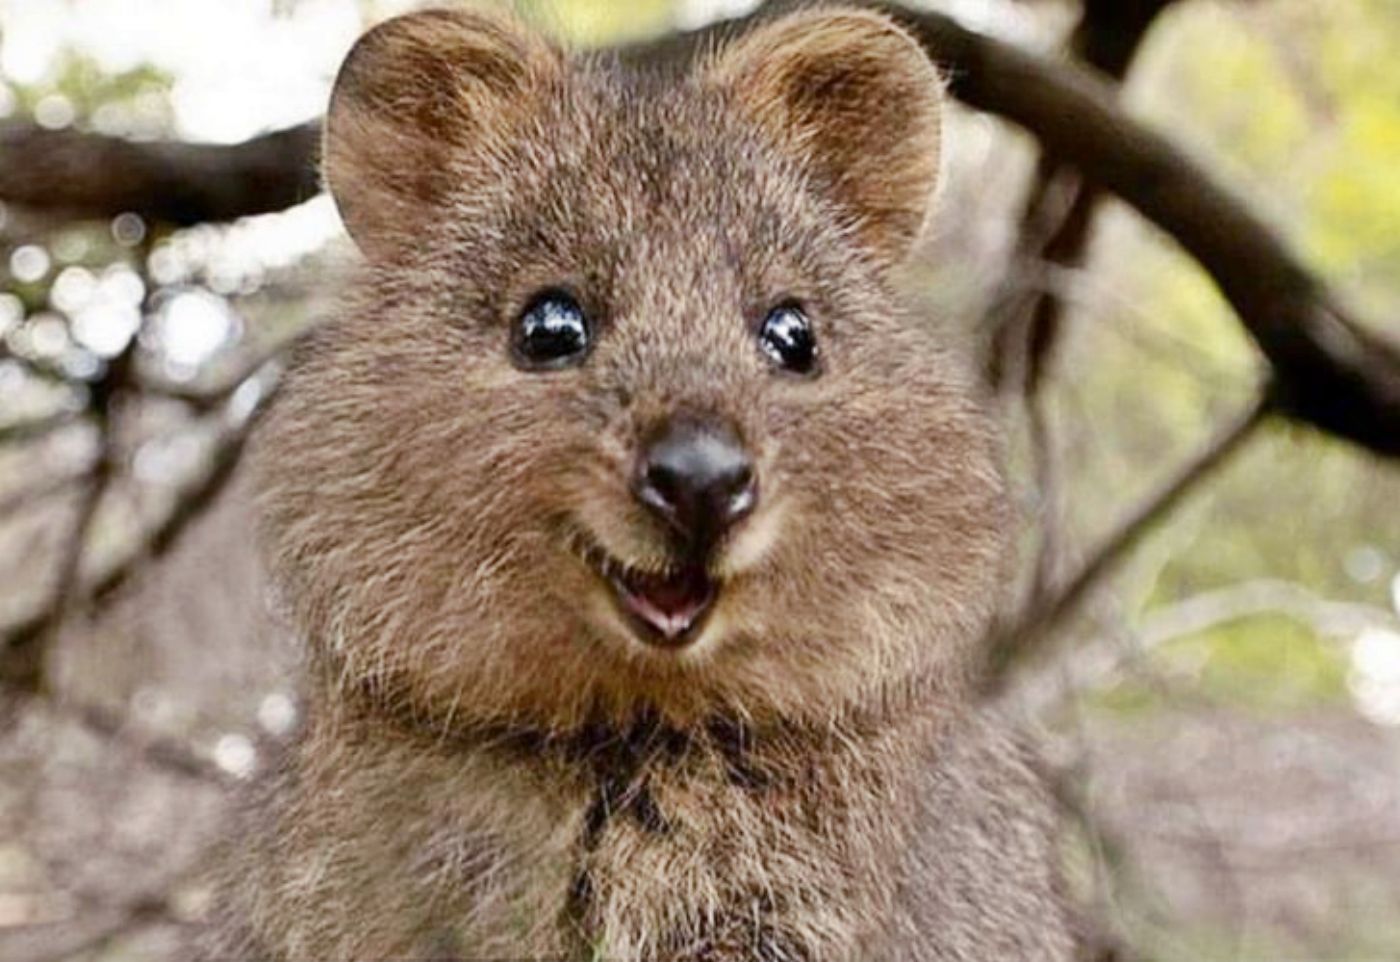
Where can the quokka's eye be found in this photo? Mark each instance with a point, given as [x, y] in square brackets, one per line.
[787, 339]
[552, 332]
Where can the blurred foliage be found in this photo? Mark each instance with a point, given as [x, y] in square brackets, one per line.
[589, 23]
[88, 89]
[1300, 101]
[1298, 105]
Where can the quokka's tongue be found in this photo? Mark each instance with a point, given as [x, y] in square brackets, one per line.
[669, 604]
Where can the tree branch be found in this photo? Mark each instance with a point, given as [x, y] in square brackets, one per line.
[91, 175]
[1058, 215]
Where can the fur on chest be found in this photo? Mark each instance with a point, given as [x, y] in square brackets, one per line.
[718, 846]
[710, 845]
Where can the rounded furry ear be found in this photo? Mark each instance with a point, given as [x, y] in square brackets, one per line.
[856, 96]
[415, 92]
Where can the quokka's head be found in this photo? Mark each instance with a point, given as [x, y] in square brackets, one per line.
[625, 412]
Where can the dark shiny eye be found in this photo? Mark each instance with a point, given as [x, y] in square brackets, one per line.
[786, 338]
[552, 332]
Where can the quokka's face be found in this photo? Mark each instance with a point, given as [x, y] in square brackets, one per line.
[625, 414]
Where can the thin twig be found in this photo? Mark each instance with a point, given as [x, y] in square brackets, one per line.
[22, 431]
[47, 488]
[165, 536]
[22, 656]
[1057, 223]
[1099, 661]
[208, 397]
[1011, 644]
[164, 753]
[150, 908]
[1048, 497]
[190, 506]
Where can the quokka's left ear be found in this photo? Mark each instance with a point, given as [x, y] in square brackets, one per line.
[856, 97]
[416, 95]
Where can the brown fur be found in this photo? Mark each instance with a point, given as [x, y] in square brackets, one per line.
[493, 766]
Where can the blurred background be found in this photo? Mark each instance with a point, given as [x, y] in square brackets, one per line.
[1205, 630]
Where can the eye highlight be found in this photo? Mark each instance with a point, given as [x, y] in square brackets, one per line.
[552, 332]
[787, 340]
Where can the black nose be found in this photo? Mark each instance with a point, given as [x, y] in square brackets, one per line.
[696, 476]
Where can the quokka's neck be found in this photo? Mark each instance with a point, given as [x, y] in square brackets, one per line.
[644, 733]
[626, 767]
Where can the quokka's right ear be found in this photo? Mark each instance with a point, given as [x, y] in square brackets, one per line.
[415, 94]
[855, 96]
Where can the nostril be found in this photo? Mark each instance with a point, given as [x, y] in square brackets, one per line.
[742, 493]
[662, 480]
[661, 486]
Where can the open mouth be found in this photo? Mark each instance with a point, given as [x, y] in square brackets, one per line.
[666, 609]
